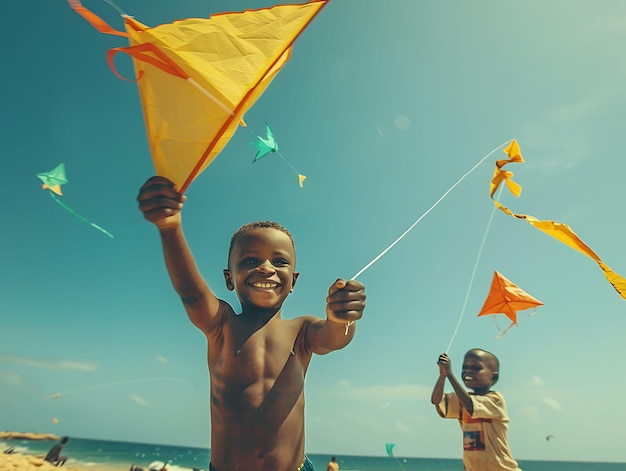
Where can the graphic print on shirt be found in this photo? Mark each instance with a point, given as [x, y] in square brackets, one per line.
[473, 433]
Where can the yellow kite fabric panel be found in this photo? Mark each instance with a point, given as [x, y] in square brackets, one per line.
[197, 77]
[559, 231]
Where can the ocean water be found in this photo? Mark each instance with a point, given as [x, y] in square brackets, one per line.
[101, 455]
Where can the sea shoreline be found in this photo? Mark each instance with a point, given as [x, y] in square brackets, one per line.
[105, 455]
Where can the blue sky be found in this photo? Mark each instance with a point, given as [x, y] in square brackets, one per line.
[384, 106]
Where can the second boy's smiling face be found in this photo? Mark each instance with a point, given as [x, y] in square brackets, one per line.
[478, 373]
[261, 268]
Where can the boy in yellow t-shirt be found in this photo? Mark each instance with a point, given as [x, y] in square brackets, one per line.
[482, 413]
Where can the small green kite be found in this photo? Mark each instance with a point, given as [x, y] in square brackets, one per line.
[52, 182]
[267, 145]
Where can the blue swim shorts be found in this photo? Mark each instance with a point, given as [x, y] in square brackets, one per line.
[305, 466]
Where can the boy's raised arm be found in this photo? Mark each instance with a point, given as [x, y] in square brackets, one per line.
[445, 371]
[161, 204]
[437, 394]
[344, 305]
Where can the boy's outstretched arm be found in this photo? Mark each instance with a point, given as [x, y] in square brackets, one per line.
[161, 204]
[344, 305]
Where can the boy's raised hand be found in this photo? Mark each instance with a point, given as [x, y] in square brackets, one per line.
[444, 364]
[345, 301]
[160, 203]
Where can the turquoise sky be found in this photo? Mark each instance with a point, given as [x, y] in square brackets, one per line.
[384, 106]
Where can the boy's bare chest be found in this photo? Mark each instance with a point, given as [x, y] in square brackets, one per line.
[252, 355]
[250, 372]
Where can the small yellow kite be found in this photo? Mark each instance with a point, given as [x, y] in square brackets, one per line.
[198, 76]
[559, 231]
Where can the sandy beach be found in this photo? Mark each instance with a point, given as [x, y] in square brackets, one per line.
[29, 462]
[20, 462]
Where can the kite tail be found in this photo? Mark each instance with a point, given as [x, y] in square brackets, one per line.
[286, 161]
[95, 226]
[301, 177]
[512, 324]
[504, 331]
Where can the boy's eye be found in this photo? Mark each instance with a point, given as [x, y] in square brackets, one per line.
[281, 262]
[250, 261]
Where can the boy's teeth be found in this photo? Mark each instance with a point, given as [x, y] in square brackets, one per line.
[265, 285]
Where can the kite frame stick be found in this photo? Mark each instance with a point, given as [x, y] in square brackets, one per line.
[211, 97]
[241, 105]
[471, 283]
[360, 272]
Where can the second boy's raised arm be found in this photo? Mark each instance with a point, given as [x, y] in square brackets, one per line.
[161, 204]
[445, 370]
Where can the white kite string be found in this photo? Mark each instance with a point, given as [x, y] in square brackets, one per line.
[115, 383]
[119, 10]
[287, 162]
[469, 288]
[427, 211]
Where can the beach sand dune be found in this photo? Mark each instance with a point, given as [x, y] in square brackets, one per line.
[28, 436]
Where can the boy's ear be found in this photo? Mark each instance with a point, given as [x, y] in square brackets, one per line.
[494, 377]
[293, 281]
[229, 280]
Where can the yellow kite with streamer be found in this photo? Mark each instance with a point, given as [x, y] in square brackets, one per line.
[198, 76]
[559, 231]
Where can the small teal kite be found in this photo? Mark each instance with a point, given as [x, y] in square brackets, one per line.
[52, 182]
[390, 447]
[266, 145]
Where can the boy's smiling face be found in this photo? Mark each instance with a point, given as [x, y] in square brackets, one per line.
[261, 268]
[479, 372]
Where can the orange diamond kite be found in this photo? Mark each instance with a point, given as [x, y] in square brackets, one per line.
[507, 298]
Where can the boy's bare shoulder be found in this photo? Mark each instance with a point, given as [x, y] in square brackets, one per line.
[214, 324]
[303, 325]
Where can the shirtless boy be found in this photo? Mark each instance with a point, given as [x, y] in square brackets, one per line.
[257, 359]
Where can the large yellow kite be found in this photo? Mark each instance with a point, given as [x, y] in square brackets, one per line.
[198, 76]
[559, 231]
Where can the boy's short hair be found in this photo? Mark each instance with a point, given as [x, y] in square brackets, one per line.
[492, 357]
[258, 225]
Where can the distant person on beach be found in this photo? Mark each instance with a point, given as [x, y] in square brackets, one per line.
[160, 467]
[332, 465]
[154, 466]
[257, 359]
[482, 413]
[54, 455]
